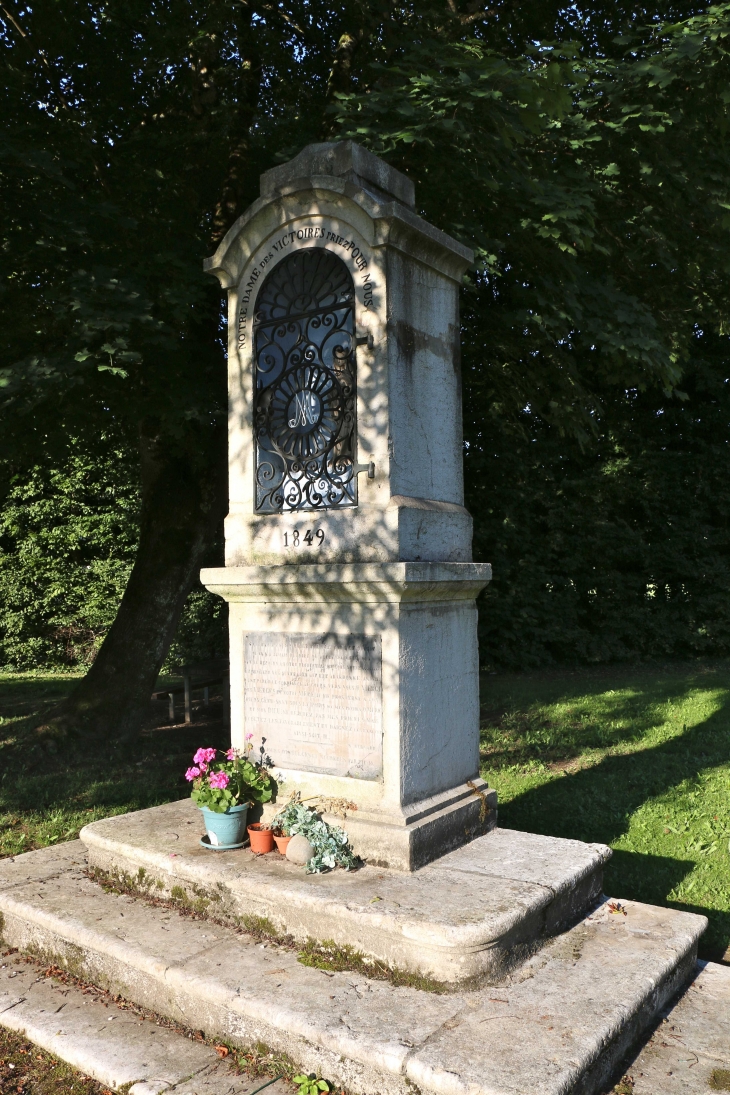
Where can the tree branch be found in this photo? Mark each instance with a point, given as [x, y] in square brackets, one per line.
[466, 19]
[39, 53]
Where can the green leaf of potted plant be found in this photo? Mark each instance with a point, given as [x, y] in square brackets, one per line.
[330, 843]
[224, 789]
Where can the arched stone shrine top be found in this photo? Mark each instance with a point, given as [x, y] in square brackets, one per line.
[345, 437]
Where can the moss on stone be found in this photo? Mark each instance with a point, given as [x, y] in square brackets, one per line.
[333, 958]
[325, 955]
[260, 927]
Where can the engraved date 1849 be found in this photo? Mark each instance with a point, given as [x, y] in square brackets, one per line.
[312, 537]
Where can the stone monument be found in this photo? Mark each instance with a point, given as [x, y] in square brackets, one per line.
[348, 571]
[353, 652]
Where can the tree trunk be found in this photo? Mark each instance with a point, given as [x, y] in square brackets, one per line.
[184, 498]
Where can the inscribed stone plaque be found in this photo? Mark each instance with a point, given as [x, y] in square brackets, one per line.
[317, 700]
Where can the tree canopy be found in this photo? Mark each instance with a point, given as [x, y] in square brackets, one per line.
[582, 151]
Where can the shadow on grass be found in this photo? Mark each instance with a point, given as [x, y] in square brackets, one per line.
[650, 878]
[596, 804]
[150, 771]
[23, 695]
[517, 729]
[46, 798]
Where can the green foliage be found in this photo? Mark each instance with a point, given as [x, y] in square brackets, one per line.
[590, 274]
[202, 633]
[237, 779]
[310, 1084]
[591, 174]
[69, 526]
[68, 534]
[616, 551]
[330, 843]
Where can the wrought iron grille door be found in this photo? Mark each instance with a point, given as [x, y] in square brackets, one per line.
[305, 409]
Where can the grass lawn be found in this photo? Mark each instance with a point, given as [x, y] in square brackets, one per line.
[46, 799]
[637, 758]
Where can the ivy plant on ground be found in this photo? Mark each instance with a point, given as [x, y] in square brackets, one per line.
[330, 843]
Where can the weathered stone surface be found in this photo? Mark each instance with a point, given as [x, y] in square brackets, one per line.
[470, 914]
[44, 863]
[692, 1040]
[425, 619]
[564, 1019]
[217, 1079]
[316, 700]
[299, 850]
[558, 1025]
[113, 1045]
[346, 160]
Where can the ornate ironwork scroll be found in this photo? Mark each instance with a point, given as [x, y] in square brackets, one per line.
[305, 407]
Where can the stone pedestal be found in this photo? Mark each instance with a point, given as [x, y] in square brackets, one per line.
[363, 680]
[348, 548]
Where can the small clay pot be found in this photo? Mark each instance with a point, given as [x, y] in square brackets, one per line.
[282, 843]
[260, 839]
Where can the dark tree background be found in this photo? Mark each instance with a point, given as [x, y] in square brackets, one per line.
[583, 151]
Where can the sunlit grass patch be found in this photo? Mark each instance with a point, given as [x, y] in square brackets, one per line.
[637, 758]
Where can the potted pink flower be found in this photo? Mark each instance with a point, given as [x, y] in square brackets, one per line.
[224, 789]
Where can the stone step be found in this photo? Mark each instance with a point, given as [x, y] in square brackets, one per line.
[559, 1024]
[472, 914]
[689, 1052]
[110, 1043]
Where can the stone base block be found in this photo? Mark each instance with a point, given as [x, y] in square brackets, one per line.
[469, 916]
[417, 834]
[559, 1024]
[112, 1043]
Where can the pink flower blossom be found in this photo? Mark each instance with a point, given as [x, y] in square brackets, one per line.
[231, 753]
[219, 781]
[249, 737]
[191, 774]
[204, 756]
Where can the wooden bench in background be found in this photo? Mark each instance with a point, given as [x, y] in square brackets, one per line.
[198, 677]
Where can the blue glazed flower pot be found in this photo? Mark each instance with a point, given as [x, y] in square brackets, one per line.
[227, 828]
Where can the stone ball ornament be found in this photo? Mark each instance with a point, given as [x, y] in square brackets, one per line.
[299, 851]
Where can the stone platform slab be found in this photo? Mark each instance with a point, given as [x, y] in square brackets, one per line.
[689, 1052]
[111, 1044]
[558, 1025]
[472, 914]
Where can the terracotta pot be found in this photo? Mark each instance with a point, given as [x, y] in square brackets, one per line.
[261, 840]
[282, 843]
